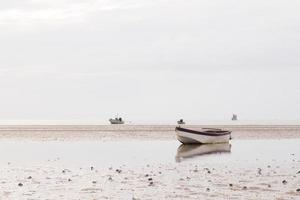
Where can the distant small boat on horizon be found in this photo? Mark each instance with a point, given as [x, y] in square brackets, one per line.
[202, 136]
[116, 121]
[234, 117]
[180, 121]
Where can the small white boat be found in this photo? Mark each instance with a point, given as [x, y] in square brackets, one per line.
[180, 121]
[203, 136]
[185, 151]
[116, 121]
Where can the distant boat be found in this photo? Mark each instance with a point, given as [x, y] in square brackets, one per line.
[180, 121]
[185, 151]
[202, 136]
[234, 117]
[116, 121]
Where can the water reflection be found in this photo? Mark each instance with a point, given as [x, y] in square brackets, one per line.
[185, 151]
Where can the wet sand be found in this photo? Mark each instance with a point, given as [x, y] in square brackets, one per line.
[141, 132]
[142, 162]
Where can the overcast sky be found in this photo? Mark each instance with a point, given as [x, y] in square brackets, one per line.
[149, 60]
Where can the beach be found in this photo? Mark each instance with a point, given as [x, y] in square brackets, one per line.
[147, 162]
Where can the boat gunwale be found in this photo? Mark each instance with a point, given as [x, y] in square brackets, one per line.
[223, 132]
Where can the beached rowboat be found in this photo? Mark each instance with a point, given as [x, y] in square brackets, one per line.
[203, 136]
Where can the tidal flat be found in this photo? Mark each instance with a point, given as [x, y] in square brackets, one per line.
[144, 163]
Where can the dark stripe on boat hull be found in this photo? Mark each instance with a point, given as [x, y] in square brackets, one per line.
[221, 133]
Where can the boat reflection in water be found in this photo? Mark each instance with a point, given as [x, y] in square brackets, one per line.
[186, 151]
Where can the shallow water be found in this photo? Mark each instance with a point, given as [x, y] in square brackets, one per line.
[99, 153]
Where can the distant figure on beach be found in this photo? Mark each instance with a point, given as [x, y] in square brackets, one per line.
[180, 121]
[116, 121]
[234, 117]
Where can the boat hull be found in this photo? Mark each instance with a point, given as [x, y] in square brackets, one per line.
[201, 138]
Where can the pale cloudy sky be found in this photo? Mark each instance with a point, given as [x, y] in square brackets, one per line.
[149, 60]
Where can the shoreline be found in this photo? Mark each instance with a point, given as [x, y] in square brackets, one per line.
[139, 132]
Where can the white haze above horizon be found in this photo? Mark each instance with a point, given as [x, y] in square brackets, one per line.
[149, 60]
